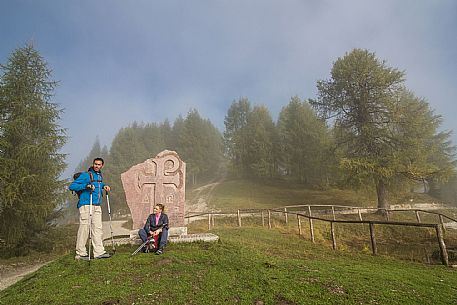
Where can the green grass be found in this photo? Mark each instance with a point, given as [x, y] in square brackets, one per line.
[58, 241]
[248, 266]
[416, 244]
[255, 265]
[405, 243]
[239, 194]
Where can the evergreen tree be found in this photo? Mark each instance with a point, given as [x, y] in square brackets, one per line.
[383, 132]
[166, 134]
[176, 131]
[133, 145]
[127, 149]
[305, 144]
[236, 140]
[95, 152]
[200, 146]
[30, 140]
[260, 130]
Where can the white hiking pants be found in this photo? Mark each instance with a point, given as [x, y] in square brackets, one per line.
[83, 231]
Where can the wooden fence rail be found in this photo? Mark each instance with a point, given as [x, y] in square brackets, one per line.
[386, 212]
[439, 228]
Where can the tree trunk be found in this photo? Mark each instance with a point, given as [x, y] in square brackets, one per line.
[382, 192]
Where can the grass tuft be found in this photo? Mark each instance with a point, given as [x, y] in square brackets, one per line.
[249, 265]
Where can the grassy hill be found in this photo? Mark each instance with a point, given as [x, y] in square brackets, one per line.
[255, 265]
[239, 194]
[248, 266]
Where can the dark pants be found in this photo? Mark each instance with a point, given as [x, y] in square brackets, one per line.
[163, 237]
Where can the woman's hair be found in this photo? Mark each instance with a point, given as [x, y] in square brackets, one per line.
[161, 206]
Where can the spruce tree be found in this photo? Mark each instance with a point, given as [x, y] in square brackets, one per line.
[261, 132]
[95, 152]
[305, 144]
[236, 140]
[200, 146]
[30, 140]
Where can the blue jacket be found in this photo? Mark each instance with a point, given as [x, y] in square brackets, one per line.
[80, 184]
[151, 222]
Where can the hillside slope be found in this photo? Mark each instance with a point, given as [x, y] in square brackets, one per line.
[248, 266]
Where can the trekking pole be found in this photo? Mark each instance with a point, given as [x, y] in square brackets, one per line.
[110, 225]
[90, 222]
[141, 247]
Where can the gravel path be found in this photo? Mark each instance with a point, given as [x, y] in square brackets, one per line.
[11, 274]
[117, 228]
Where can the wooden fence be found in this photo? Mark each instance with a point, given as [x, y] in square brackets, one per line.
[305, 211]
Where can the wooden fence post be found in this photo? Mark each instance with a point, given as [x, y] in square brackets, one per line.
[311, 227]
[444, 256]
[299, 225]
[360, 215]
[212, 220]
[263, 219]
[209, 221]
[269, 219]
[418, 217]
[239, 219]
[442, 224]
[332, 230]
[333, 212]
[285, 215]
[374, 248]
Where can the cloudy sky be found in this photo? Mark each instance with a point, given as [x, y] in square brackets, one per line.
[120, 61]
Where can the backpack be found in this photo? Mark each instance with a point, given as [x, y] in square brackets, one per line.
[76, 175]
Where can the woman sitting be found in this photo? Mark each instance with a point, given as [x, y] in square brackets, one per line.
[155, 229]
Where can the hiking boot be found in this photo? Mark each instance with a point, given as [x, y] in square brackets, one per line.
[82, 257]
[104, 255]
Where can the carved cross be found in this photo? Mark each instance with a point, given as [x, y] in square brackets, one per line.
[169, 175]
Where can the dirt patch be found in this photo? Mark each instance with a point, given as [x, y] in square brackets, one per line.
[280, 300]
[111, 302]
[199, 205]
[165, 261]
[201, 199]
[11, 274]
[334, 288]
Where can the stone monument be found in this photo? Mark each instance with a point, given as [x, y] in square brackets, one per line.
[157, 180]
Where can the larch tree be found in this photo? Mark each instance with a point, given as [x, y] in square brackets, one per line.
[383, 132]
[30, 143]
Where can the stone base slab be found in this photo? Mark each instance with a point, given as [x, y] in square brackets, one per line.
[208, 237]
[177, 231]
[187, 238]
[173, 231]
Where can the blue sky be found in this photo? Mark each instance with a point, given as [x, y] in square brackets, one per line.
[119, 61]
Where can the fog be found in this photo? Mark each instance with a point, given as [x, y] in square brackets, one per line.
[123, 61]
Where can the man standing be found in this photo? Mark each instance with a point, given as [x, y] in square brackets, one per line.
[89, 184]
